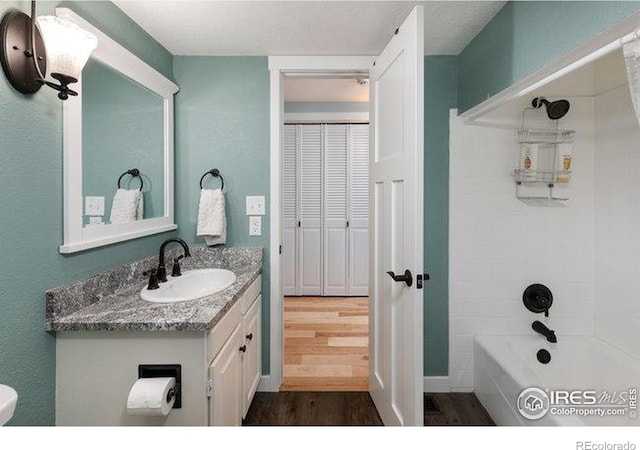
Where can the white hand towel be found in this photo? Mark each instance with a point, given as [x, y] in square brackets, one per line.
[125, 205]
[212, 219]
[140, 211]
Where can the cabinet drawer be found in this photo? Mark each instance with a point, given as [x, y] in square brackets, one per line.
[223, 329]
[251, 294]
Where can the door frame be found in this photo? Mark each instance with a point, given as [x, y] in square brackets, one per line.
[280, 67]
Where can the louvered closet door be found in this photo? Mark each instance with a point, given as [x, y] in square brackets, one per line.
[290, 221]
[310, 210]
[335, 210]
[358, 230]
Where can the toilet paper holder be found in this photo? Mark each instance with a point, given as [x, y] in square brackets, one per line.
[165, 370]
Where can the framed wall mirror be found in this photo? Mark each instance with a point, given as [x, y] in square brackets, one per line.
[118, 149]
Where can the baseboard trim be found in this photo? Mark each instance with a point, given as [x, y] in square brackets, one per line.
[436, 384]
[266, 384]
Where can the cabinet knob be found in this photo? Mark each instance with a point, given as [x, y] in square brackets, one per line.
[243, 349]
[249, 336]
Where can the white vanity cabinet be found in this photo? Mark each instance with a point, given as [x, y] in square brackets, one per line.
[220, 370]
[234, 349]
[252, 357]
[225, 383]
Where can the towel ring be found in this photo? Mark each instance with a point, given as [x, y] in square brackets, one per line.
[133, 173]
[213, 173]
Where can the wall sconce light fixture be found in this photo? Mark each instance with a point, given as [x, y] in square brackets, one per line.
[57, 46]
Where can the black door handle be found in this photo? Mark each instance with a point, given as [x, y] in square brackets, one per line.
[407, 278]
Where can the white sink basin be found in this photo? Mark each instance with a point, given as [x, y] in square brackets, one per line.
[8, 400]
[192, 285]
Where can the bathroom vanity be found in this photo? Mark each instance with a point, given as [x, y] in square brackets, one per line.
[104, 331]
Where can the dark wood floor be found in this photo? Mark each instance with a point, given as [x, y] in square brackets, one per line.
[312, 408]
[454, 409]
[356, 409]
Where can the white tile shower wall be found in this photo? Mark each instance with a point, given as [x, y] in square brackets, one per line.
[617, 214]
[498, 245]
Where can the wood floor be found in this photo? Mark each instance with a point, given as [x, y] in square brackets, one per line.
[454, 409]
[312, 408]
[357, 409]
[326, 344]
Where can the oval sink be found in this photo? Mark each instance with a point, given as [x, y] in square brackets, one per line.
[8, 400]
[192, 285]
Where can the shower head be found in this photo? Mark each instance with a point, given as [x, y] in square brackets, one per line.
[555, 110]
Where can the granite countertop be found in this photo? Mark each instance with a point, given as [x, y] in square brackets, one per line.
[110, 301]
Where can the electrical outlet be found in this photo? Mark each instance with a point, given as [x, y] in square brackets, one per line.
[95, 220]
[255, 205]
[94, 206]
[255, 226]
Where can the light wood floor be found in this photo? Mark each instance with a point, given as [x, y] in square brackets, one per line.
[326, 344]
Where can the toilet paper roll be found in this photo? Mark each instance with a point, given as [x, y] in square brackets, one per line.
[148, 397]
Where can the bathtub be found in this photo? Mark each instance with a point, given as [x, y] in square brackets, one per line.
[506, 365]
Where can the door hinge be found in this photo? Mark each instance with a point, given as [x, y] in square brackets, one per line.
[209, 388]
[280, 249]
[298, 224]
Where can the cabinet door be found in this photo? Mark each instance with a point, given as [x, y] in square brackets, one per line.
[252, 358]
[289, 211]
[310, 210]
[335, 210]
[225, 373]
[358, 210]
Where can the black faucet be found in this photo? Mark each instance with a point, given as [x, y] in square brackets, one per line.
[541, 328]
[162, 270]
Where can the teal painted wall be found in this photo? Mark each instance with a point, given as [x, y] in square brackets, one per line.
[441, 94]
[526, 35]
[31, 231]
[122, 128]
[222, 120]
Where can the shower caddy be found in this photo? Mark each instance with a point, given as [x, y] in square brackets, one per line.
[543, 171]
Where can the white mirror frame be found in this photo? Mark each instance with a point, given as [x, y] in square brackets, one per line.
[77, 237]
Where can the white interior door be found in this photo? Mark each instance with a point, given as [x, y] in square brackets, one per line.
[310, 210]
[358, 218]
[290, 284]
[396, 203]
[335, 210]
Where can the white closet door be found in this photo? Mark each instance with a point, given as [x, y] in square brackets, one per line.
[358, 230]
[310, 210]
[335, 210]
[289, 202]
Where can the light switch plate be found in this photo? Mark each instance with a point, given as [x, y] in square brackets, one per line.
[94, 206]
[255, 205]
[255, 226]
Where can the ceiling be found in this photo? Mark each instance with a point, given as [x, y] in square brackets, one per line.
[303, 27]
